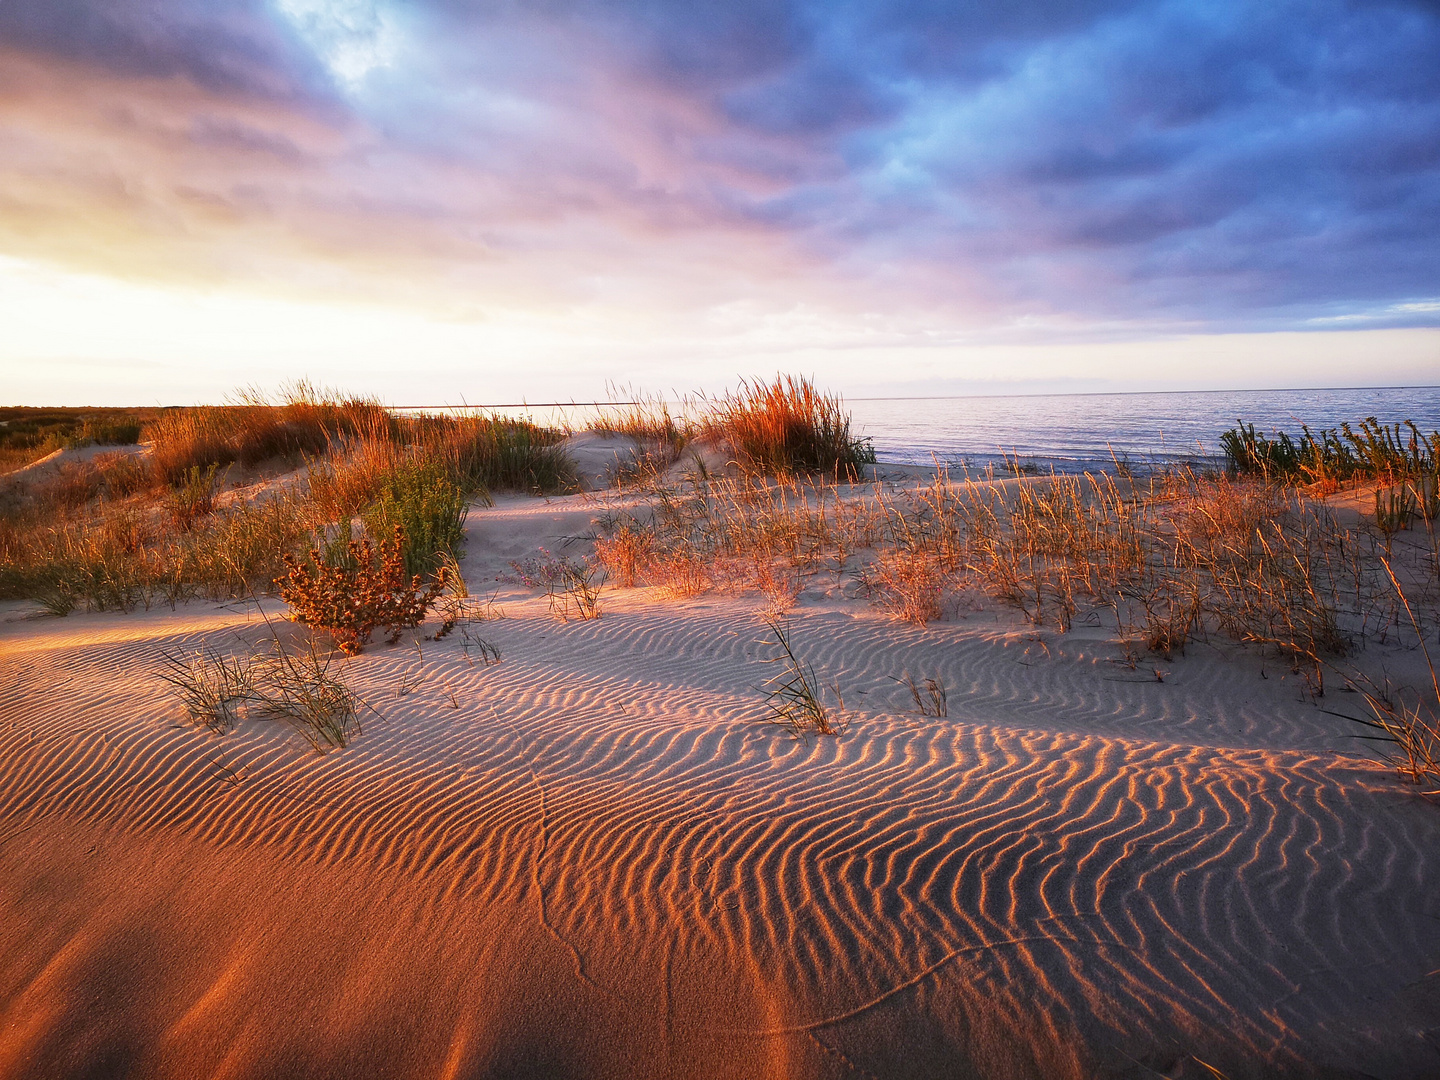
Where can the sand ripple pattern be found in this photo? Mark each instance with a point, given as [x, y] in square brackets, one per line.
[1060, 878]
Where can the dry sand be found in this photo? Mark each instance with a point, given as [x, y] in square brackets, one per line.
[604, 862]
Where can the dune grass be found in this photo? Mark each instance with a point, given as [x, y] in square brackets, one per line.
[421, 503]
[1406, 720]
[794, 694]
[1164, 560]
[122, 530]
[1389, 453]
[788, 427]
[303, 422]
[784, 427]
[299, 688]
[933, 701]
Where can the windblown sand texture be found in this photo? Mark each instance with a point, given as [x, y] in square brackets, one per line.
[604, 862]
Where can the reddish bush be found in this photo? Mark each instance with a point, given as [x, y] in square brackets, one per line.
[366, 589]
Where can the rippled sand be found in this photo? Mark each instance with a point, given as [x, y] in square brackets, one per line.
[605, 862]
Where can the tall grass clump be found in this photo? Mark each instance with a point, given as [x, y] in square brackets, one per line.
[419, 501]
[496, 453]
[1390, 453]
[787, 427]
[252, 430]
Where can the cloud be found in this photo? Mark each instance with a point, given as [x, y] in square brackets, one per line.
[226, 45]
[1050, 168]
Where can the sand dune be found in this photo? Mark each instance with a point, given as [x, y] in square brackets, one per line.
[605, 862]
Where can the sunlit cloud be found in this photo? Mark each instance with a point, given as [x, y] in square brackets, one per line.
[353, 37]
[715, 175]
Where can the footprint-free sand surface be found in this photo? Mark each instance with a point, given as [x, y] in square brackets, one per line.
[598, 859]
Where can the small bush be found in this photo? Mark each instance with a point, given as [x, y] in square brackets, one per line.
[351, 597]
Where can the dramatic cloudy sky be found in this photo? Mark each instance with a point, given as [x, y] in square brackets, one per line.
[441, 199]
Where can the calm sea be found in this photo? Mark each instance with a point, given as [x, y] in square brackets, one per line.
[1071, 432]
[1078, 431]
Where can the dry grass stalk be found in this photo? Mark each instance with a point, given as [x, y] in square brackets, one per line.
[794, 693]
[934, 701]
[576, 593]
[1408, 722]
[299, 689]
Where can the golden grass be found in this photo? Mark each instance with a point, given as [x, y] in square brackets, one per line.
[788, 427]
[1164, 560]
[122, 530]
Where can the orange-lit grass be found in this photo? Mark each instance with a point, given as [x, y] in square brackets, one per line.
[1168, 559]
[787, 427]
[99, 534]
[255, 430]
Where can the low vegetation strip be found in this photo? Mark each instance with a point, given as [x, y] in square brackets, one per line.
[28, 434]
[1387, 453]
[1167, 559]
[124, 529]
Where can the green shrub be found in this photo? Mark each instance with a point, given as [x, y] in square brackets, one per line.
[1377, 451]
[425, 505]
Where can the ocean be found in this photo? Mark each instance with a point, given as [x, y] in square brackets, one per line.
[1075, 432]
[1072, 432]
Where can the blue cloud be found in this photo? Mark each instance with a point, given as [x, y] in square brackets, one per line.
[1218, 163]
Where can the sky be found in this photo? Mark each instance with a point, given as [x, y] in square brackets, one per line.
[441, 201]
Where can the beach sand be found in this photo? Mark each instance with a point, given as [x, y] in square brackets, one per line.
[599, 858]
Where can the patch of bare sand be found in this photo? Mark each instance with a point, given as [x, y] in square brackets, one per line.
[597, 858]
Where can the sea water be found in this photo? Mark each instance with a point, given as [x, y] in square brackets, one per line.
[1074, 432]
[1071, 432]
